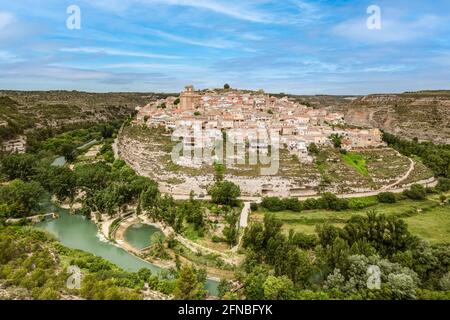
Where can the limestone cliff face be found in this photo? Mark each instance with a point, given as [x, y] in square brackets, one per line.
[426, 116]
[152, 162]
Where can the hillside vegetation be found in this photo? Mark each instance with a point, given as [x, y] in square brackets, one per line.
[29, 112]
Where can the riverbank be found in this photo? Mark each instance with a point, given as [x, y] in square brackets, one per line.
[118, 238]
[120, 241]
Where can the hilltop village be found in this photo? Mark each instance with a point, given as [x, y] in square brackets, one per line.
[298, 125]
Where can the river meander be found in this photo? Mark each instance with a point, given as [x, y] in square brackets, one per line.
[77, 232]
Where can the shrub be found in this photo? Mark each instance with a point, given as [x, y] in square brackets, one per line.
[292, 204]
[273, 204]
[217, 239]
[310, 204]
[443, 185]
[416, 192]
[253, 206]
[361, 203]
[305, 241]
[332, 202]
[386, 197]
[312, 148]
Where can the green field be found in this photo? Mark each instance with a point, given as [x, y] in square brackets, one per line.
[427, 219]
[356, 161]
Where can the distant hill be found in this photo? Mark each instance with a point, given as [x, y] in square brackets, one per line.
[22, 111]
[424, 115]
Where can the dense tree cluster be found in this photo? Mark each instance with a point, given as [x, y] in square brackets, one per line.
[105, 187]
[343, 263]
[31, 260]
[20, 199]
[326, 201]
[34, 261]
[436, 157]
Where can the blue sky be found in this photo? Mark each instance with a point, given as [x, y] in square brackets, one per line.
[294, 46]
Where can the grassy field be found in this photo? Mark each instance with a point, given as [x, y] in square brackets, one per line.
[356, 161]
[427, 219]
[433, 225]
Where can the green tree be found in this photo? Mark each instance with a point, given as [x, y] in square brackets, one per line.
[312, 148]
[149, 197]
[219, 172]
[187, 286]
[19, 166]
[61, 181]
[273, 204]
[223, 288]
[230, 231]
[403, 286]
[386, 197]
[336, 139]
[157, 245]
[416, 192]
[254, 283]
[387, 234]
[68, 150]
[444, 282]
[225, 192]
[278, 288]
[23, 196]
[92, 177]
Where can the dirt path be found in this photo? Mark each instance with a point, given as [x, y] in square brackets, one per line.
[403, 178]
[244, 215]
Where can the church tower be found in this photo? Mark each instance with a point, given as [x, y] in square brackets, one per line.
[189, 99]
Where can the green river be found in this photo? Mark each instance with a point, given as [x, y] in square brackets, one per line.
[77, 232]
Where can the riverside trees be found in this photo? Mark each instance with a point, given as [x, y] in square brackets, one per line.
[280, 266]
[225, 193]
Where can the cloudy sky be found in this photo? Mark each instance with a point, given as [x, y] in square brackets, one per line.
[295, 46]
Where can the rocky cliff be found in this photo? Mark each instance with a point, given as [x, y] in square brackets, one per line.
[425, 116]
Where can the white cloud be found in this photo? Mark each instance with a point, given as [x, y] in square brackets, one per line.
[210, 43]
[387, 68]
[53, 72]
[8, 57]
[233, 10]
[116, 52]
[251, 36]
[154, 66]
[6, 19]
[225, 8]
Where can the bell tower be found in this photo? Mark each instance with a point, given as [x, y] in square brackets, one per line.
[189, 99]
